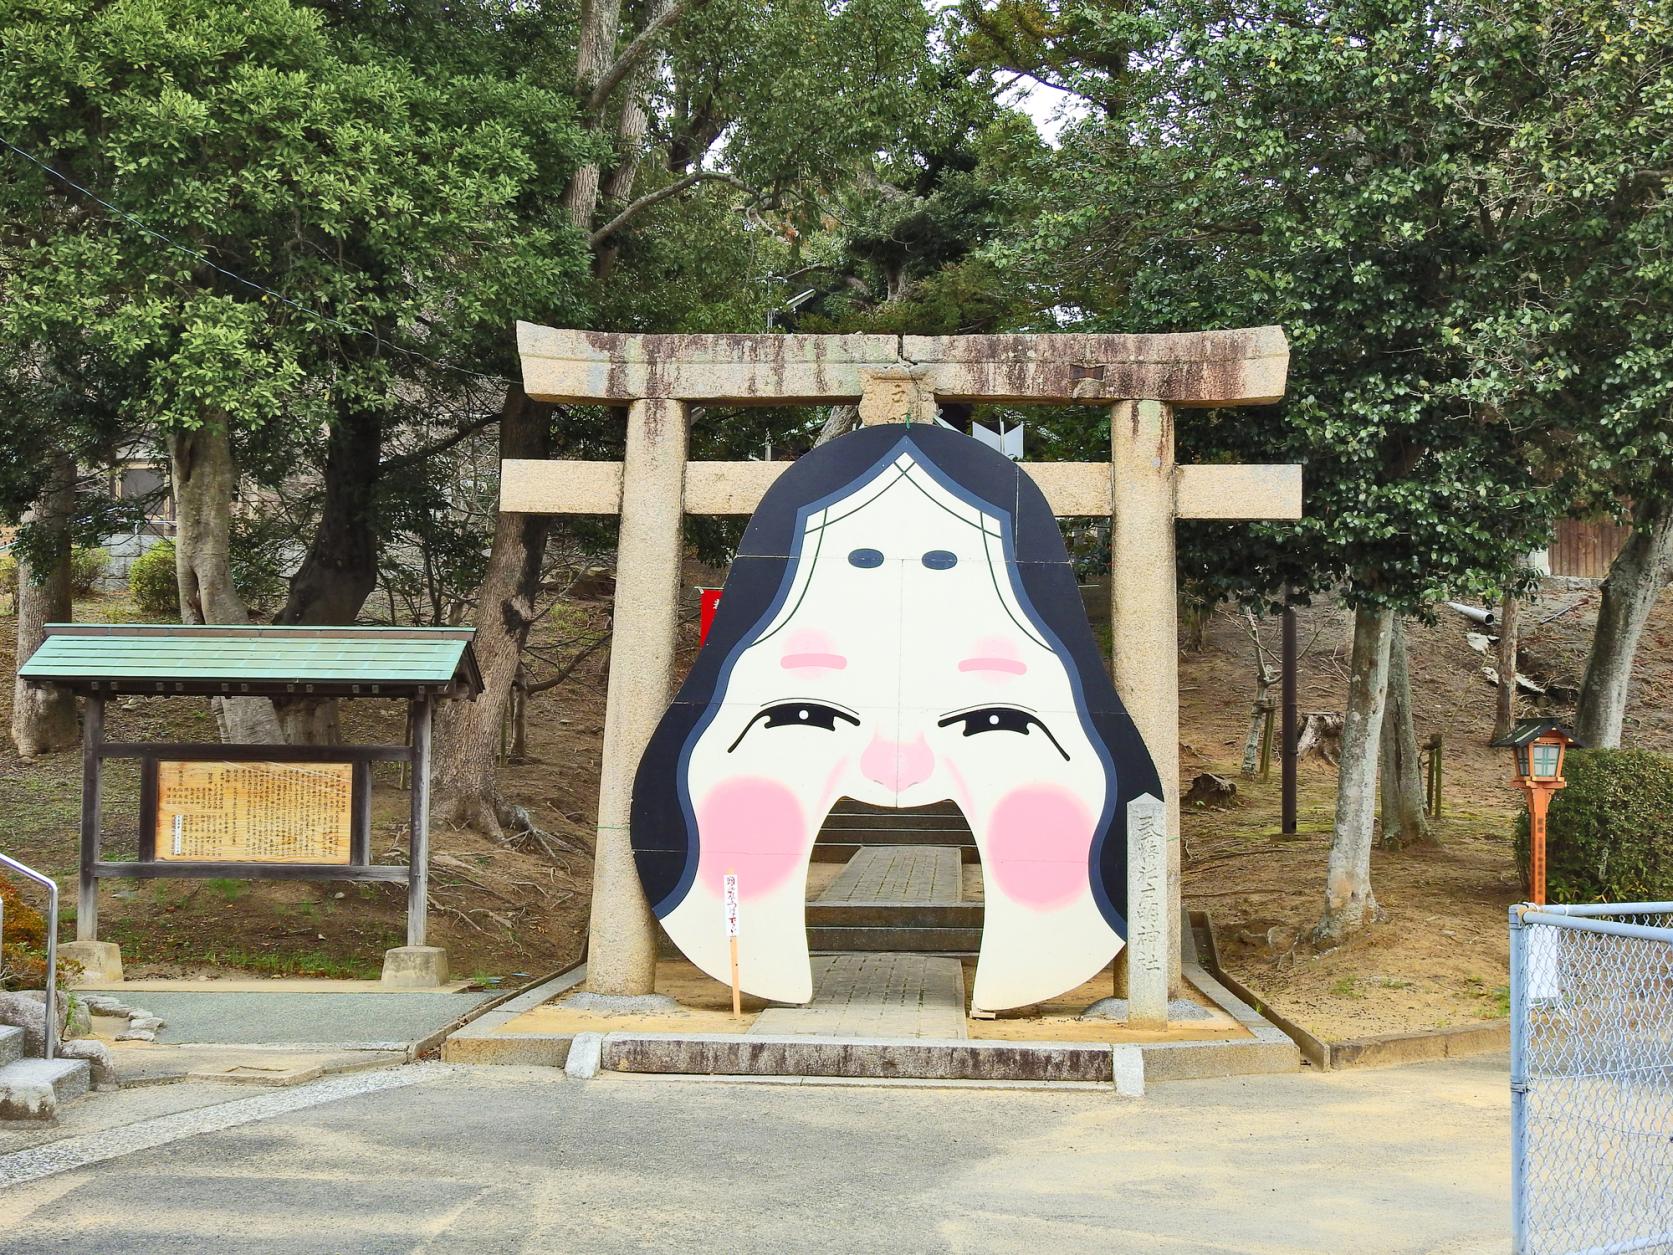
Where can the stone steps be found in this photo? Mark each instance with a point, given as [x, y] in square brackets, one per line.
[11, 1044]
[33, 1089]
[903, 899]
[852, 827]
[886, 914]
[894, 939]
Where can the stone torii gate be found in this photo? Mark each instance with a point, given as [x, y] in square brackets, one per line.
[1142, 378]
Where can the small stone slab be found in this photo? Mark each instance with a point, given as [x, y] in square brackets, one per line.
[586, 1053]
[268, 1075]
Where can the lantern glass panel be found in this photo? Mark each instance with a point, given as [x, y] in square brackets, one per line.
[1545, 760]
[1521, 752]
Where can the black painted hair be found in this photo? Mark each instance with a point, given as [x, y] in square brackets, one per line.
[664, 827]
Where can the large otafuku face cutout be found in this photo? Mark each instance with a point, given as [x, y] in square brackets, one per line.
[901, 626]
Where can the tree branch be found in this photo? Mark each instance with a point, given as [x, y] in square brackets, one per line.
[462, 432]
[637, 47]
[634, 208]
[569, 670]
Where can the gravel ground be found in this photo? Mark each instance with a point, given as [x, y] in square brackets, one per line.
[440, 1158]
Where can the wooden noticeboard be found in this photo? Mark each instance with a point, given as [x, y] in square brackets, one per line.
[254, 812]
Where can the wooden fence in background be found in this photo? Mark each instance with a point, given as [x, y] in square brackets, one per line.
[1586, 547]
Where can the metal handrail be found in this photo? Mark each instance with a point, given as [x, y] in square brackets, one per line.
[49, 1020]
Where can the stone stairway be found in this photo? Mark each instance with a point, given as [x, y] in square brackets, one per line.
[901, 888]
[853, 826]
[33, 1088]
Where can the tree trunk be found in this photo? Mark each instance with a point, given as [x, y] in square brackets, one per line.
[600, 22]
[203, 482]
[841, 420]
[1504, 715]
[468, 739]
[1347, 895]
[1259, 713]
[1404, 822]
[1636, 578]
[519, 749]
[631, 128]
[340, 568]
[44, 719]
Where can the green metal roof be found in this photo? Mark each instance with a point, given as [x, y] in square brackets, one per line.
[1528, 729]
[261, 661]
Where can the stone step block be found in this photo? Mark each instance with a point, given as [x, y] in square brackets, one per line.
[34, 1089]
[894, 914]
[11, 1044]
[904, 940]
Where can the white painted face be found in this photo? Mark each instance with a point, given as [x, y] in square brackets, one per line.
[902, 670]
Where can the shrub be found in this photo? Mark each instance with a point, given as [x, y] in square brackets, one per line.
[151, 581]
[1609, 834]
[87, 567]
[23, 947]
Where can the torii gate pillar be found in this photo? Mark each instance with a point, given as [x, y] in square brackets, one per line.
[1142, 378]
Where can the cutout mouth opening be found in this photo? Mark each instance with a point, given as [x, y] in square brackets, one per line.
[885, 879]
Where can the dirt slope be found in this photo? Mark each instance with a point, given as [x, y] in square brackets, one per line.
[1438, 958]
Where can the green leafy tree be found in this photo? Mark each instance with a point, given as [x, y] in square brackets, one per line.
[1579, 339]
[1319, 167]
[402, 217]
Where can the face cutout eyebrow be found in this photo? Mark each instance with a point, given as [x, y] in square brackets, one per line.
[811, 659]
[1000, 666]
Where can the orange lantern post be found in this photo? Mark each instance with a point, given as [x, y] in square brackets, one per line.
[1538, 747]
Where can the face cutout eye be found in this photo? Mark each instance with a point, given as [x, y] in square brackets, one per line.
[940, 559]
[866, 558]
[796, 715]
[1000, 719]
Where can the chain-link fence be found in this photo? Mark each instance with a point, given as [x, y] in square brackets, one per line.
[1591, 1069]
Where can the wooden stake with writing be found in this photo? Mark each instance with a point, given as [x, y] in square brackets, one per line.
[732, 937]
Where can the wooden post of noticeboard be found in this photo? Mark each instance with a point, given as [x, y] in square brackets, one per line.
[418, 875]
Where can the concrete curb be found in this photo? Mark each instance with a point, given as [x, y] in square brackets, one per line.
[480, 1041]
[1379, 1050]
[1385, 1049]
[1125, 1066]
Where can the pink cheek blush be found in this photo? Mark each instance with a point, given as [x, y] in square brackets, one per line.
[1039, 838]
[753, 827]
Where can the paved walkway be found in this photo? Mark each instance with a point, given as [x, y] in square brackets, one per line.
[1396, 1161]
[359, 1019]
[875, 995]
[898, 873]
